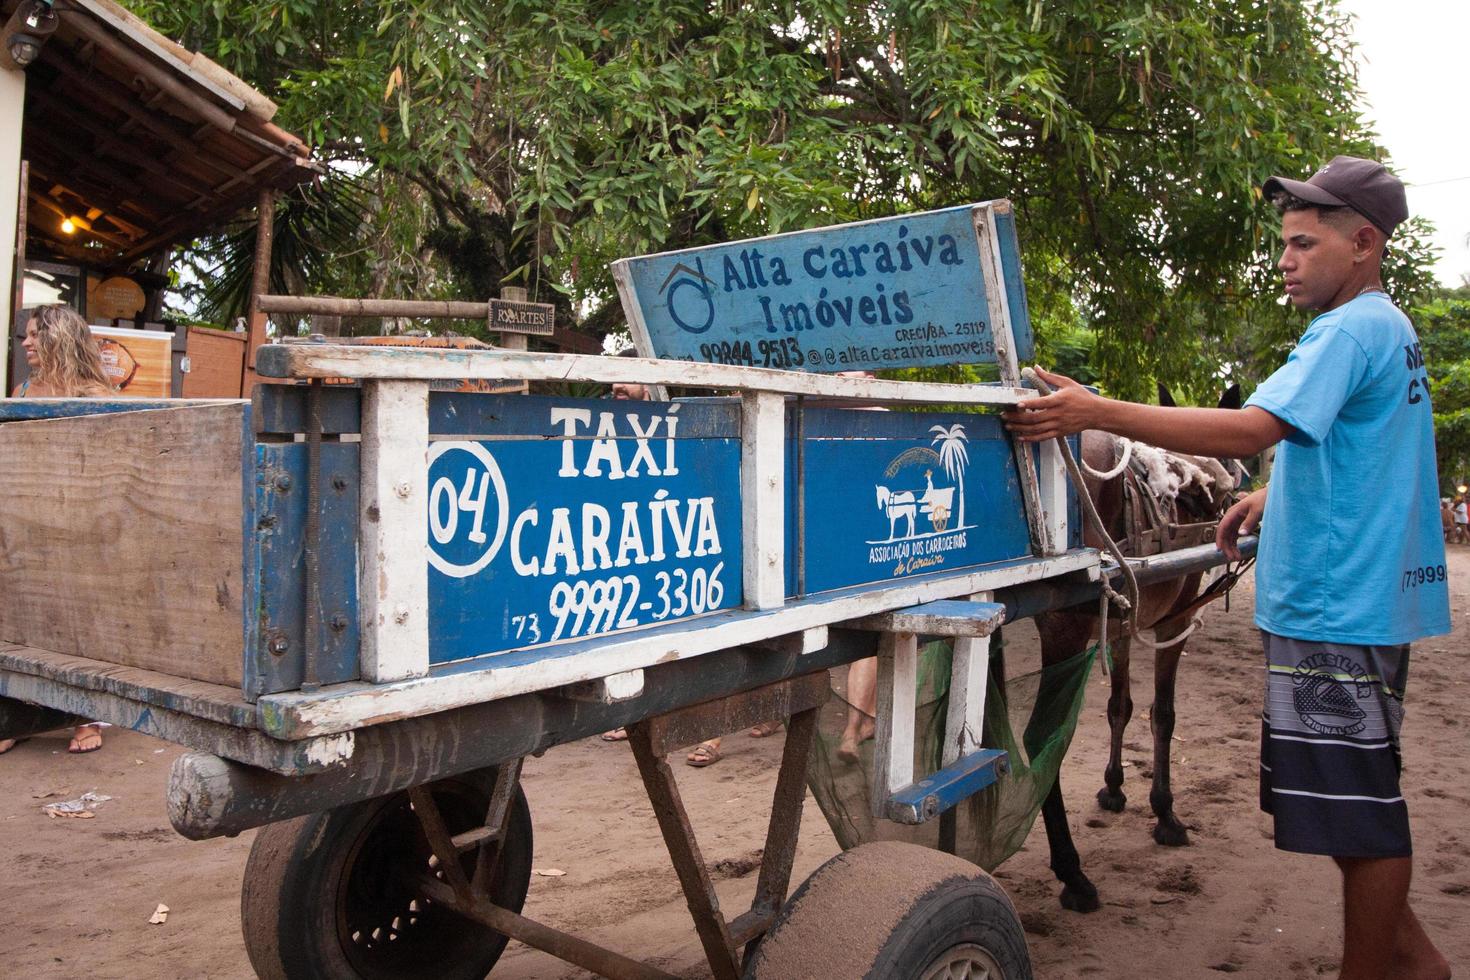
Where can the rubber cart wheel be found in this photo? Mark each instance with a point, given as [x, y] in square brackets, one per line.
[332, 896]
[892, 911]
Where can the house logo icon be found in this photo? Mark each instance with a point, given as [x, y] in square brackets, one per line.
[690, 297]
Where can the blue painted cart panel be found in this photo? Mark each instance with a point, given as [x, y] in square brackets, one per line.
[276, 544]
[888, 495]
[615, 528]
[894, 292]
[556, 520]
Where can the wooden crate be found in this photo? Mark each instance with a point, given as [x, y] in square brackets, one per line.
[216, 360]
[121, 540]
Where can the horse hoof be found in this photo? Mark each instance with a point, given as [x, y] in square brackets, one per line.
[1080, 899]
[1171, 834]
[1111, 800]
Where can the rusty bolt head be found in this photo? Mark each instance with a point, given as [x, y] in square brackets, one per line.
[279, 644]
[403, 490]
[339, 623]
[339, 482]
[400, 615]
[283, 482]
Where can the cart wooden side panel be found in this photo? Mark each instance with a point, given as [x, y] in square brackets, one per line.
[89, 564]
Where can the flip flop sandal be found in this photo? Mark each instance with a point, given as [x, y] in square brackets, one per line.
[75, 748]
[766, 729]
[704, 754]
[616, 735]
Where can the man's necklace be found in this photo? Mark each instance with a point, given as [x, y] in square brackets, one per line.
[1370, 288]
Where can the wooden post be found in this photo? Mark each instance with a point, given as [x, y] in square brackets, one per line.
[393, 579]
[893, 753]
[964, 724]
[999, 310]
[265, 222]
[1053, 487]
[762, 498]
[508, 340]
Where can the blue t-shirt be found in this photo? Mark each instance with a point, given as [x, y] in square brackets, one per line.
[1352, 549]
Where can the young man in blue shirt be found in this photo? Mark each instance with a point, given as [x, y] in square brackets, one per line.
[1351, 565]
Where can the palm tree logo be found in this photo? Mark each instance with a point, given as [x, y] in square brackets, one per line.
[954, 457]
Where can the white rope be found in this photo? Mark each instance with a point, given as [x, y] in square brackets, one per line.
[1127, 445]
[1194, 624]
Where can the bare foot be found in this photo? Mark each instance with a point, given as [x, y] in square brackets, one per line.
[847, 751]
[6, 744]
[765, 729]
[618, 734]
[86, 738]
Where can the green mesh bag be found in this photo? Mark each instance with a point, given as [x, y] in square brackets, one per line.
[992, 825]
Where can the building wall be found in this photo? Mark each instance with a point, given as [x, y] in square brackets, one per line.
[12, 109]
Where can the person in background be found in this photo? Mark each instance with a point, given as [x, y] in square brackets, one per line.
[1462, 520]
[1447, 519]
[64, 362]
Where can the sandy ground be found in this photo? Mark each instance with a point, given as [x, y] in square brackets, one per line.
[77, 894]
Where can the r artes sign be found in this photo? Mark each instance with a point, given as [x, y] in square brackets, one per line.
[940, 287]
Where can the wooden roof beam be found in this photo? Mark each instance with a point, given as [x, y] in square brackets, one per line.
[112, 146]
[113, 183]
[72, 74]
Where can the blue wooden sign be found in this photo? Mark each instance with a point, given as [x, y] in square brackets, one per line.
[604, 520]
[889, 495]
[910, 290]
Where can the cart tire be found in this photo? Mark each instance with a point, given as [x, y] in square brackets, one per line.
[892, 911]
[330, 896]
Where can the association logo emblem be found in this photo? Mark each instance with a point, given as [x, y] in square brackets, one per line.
[469, 509]
[1326, 689]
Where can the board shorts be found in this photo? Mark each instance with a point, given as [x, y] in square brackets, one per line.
[1330, 757]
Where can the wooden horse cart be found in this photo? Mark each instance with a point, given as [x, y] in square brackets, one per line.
[363, 606]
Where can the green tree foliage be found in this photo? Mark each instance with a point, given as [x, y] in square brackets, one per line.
[1443, 325]
[539, 139]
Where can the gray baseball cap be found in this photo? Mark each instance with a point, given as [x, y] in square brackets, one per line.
[1366, 186]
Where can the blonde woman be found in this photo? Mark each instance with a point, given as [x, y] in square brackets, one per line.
[65, 362]
[64, 358]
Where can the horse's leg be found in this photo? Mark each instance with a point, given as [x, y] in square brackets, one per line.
[1169, 831]
[1079, 894]
[1120, 710]
[1062, 636]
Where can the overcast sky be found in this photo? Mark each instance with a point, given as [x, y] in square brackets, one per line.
[1414, 58]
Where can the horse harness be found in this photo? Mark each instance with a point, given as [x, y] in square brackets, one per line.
[1152, 525]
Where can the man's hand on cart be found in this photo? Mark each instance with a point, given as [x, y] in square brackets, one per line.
[1070, 408]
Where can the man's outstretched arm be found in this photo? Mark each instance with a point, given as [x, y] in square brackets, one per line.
[1223, 432]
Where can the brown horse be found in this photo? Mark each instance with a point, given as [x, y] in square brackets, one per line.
[1162, 608]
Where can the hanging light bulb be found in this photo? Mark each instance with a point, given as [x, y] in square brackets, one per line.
[68, 226]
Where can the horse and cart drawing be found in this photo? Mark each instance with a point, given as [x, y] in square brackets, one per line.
[405, 590]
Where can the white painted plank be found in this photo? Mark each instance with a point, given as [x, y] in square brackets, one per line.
[340, 361]
[999, 310]
[964, 724]
[798, 644]
[763, 498]
[1053, 483]
[607, 690]
[393, 581]
[893, 754]
[344, 707]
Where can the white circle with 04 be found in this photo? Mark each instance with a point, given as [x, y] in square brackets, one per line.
[451, 502]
